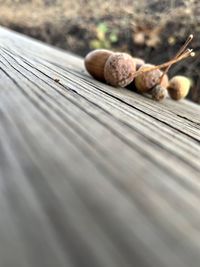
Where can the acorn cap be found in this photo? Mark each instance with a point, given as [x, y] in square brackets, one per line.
[119, 69]
[179, 87]
[95, 62]
[146, 81]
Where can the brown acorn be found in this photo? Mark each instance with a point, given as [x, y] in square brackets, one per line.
[95, 62]
[158, 93]
[119, 69]
[146, 81]
[179, 87]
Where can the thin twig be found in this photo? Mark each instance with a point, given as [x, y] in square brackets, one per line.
[181, 51]
[186, 54]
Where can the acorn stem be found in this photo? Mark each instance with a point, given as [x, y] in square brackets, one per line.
[181, 51]
[184, 55]
[183, 48]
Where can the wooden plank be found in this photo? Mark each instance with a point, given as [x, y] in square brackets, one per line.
[92, 175]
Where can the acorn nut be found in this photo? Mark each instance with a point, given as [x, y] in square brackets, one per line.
[146, 81]
[158, 93]
[95, 62]
[179, 87]
[119, 69]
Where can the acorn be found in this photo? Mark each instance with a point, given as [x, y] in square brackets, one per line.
[179, 87]
[139, 62]
[158, 93]
[119, 69]
[95, 62]
[146, 81]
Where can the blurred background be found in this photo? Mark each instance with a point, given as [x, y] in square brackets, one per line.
[151, 29]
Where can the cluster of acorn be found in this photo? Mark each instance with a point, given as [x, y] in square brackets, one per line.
[121, 70]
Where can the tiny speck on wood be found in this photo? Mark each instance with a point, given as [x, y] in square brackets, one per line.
[56, 80]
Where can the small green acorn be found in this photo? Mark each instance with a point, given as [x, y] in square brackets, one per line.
[179, 87]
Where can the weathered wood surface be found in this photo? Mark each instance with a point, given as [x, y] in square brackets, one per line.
[91, 175]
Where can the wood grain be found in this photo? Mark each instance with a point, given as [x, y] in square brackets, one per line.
[92, 175]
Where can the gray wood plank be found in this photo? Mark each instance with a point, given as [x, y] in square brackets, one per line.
[91, 175]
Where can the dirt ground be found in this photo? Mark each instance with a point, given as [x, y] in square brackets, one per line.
[151, 29]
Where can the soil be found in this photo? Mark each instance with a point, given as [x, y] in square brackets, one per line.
[151, 29]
